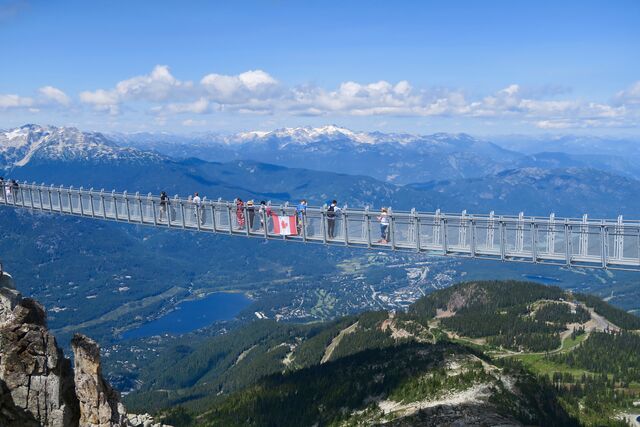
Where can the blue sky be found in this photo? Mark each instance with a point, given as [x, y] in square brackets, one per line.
[490, 67]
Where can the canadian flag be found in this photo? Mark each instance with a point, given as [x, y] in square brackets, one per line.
[284, 225]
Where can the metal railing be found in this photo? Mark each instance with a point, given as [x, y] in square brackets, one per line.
[573, 242]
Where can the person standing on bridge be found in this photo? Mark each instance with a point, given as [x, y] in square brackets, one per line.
[265, 215]
[251, 213]
[15, 190]
[164, 204]
[240, 213]
[196, 205]
[301, 211]
[332, 212]
[384, 226]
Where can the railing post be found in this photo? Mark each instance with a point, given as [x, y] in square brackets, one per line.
[551, 236]
[70, 199]
[416, 229]
[583, 246]
[520, 233]
[198, 214]
[31, 195]
[140, 207]
[40, 198]
[245, 209]
[212, 208]
[619, 239]
[472, 248]
[153, 208]
[60, 199]
[502, 237]
[93, 209]
[50, 198]
[445, 235]
[345, 225]
[184, 224]
[392, 228]
[491, 230]
[567, 242]
[323, 213]
[436, 228]
[230, 218]
[462, 231]
[534, 241]
[115, 204]
[304, 225]
[604, 244]
[367, 222]
[24, 184]
[80, 201]
[126, 205]
[283, 210]
[103, 204]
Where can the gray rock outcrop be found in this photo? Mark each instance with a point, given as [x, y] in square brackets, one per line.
[38, 386]
[36, 379]
[100, 404]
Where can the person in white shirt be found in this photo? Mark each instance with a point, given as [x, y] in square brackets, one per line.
[384, 226]
[196, 205]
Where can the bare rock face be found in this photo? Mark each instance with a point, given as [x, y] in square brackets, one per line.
[36, 381]
[38, 386]
[100, 405]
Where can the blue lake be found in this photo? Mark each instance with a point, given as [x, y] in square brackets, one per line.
[191, 315]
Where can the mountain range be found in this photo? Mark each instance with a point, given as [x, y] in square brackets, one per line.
[507, 183]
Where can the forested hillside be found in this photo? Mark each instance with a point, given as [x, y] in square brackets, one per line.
[473, 342]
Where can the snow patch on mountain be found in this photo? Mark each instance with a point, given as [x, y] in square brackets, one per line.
[29, 142]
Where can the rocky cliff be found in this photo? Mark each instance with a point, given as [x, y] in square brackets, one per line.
[38, 386]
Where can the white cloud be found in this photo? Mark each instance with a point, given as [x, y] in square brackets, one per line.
[256, 92]
[159, 85]
[631, 95]
[54, 94]
[250, 88]
[14, 101]
[102, 100]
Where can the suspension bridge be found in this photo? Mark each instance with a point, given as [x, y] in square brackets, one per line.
[570, 242]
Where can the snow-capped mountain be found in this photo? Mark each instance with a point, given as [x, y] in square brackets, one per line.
[30, 143]
[393, 157]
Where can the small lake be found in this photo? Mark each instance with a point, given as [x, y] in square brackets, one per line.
[192, 315]
[542, 279]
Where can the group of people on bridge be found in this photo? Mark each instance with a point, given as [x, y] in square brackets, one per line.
[246, 212]
[10, 190]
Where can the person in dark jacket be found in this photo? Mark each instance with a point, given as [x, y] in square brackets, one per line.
[332, 212]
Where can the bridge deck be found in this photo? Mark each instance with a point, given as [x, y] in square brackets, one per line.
[584, 242]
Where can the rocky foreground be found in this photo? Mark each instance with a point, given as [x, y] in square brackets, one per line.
[38, 384]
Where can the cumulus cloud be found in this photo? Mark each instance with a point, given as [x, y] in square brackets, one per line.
[15, 101]
[157, 86]
[102, 100]
[257, 92]
[51, 93]
[247, 87]
[631, 95]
